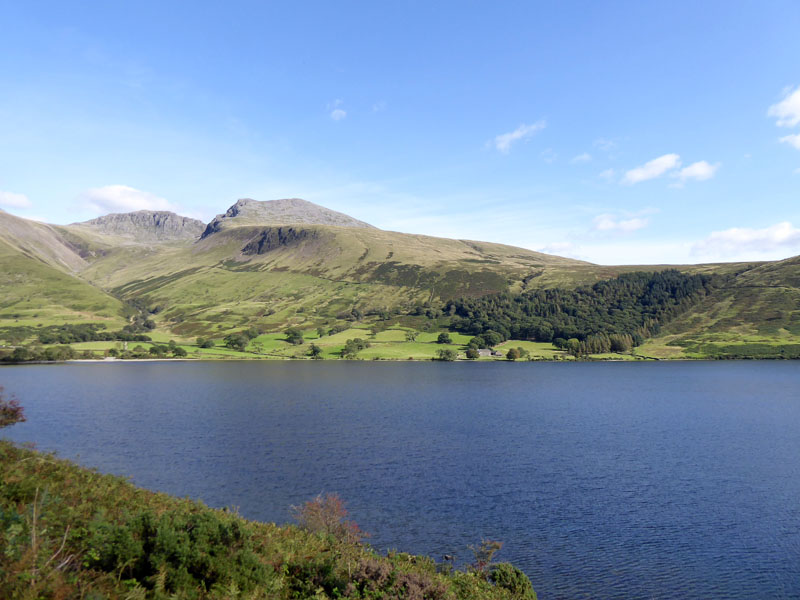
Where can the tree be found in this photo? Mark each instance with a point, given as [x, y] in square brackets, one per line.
[315, 351]
[472, 353]
[484, 553]
[353, 347]
[444, 338]
[179, 352]
[10, 411]
[411, 336]
[320, 331]
[294, 336]
[327, 515]
[446, 354]
[512, 354]
[236, 341]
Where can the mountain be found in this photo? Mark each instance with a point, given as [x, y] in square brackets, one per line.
[145, 225]
[290, 211]
[273, 263]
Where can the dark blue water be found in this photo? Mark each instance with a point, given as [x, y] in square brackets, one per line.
[612, 480]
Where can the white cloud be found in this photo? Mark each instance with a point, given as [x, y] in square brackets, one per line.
[792, 140]
[608, 174]
[504, 141]
[608, 223]
[121, 198]
[585, 157]
[336, 112]
[700, 171]
[733, 242]
[379, 106]
[652, 169]
[12, 200]
[787, 111]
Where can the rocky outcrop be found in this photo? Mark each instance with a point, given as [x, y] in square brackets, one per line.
[277, 237]
[147, 225]
[290, 211]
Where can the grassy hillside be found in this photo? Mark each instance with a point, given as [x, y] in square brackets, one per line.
[273, 276]
[241, 274]
[68, 532]
[33, 292]
[755, 314]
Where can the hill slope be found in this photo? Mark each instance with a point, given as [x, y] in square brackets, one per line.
[271, 264]
[39, 282]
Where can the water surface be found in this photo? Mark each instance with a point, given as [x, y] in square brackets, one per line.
[610, 480]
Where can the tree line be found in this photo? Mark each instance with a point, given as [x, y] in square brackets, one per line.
[610, 315]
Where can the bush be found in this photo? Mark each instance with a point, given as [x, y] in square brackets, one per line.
[446, 354]
[328, 516]
[294, 336]
[10, 411]
[444, 338]
[509, 577]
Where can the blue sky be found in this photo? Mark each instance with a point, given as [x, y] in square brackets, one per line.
[617, 132]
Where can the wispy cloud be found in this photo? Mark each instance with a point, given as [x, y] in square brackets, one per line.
[608, 223]
[122, 198]
[732, 242]
[787, 111]
[652, 169]
[566, 249]
[605, 145]
[504, 141]
[337, 113]
[699, 171]
[608, 174]
[548, 155]
[580, 158]
[792, 140]
[12, 200]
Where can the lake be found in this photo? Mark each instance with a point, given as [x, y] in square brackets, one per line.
[604, 480]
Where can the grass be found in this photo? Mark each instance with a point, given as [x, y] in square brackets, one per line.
[211, 289]
[70, 532]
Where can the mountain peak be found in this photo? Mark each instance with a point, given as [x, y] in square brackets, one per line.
[286, 211]
[147, 225]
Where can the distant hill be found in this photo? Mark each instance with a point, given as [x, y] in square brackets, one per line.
[274, 263]
[146, 225]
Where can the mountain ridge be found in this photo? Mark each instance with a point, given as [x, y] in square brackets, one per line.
[285, 211]
[256, 266]
[145, 225]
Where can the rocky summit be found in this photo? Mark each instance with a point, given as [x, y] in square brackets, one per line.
[147, 225]
[288, 211]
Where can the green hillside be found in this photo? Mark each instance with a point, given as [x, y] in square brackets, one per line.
[309, 267]
[38, 280]
[69, 532]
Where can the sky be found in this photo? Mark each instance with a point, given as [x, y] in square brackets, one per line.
[615, 132]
